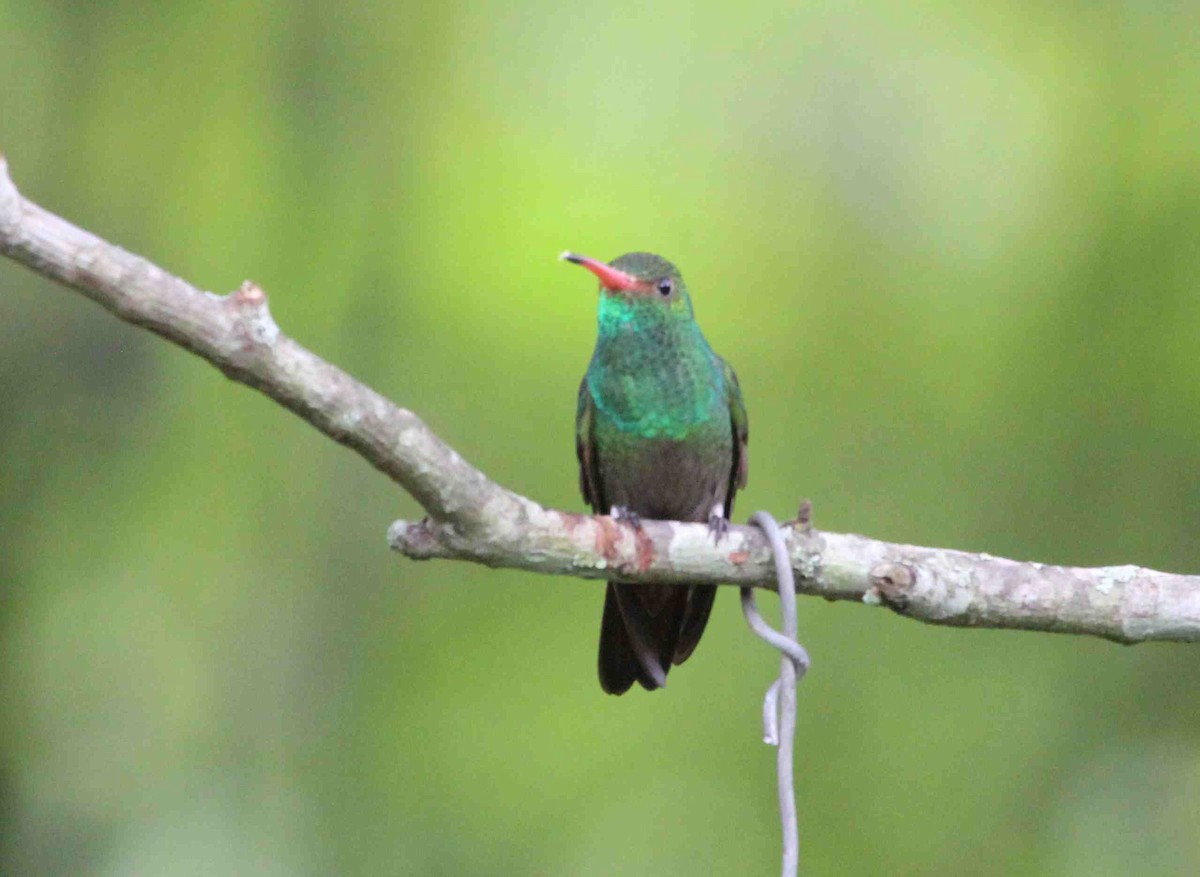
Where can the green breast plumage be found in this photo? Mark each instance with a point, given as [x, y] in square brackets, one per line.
[654, 375]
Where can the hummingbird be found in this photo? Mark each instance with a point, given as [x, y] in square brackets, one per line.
[660, 432]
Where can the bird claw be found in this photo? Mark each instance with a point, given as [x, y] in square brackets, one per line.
[718, 526]
[626, 515]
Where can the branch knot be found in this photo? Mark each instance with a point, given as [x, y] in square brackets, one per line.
[891, 583]
[254, 320]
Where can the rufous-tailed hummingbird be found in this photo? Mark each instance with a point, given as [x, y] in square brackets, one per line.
[660, 432]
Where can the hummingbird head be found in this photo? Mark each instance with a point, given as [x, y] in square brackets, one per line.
[639, 276]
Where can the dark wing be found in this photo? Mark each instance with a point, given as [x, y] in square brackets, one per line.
[585, 450]
[619, 664]
[740, 470]
[700, 598]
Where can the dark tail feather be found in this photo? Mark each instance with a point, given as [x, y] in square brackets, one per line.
[695, 617]
[640, 633]
[618, 664]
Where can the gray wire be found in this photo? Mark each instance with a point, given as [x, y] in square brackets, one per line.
[779, 705]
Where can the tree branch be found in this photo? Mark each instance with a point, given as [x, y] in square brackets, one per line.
[473, 518]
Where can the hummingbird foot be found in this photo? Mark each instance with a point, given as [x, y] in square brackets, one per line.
[718, 526]
[626, 515]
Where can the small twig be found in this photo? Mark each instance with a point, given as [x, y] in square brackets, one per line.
[779, 705]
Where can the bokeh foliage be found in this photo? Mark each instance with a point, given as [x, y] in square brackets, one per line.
[952, 250]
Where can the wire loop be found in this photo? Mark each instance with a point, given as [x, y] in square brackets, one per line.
[779, 704]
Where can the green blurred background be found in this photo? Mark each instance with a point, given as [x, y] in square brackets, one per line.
[953, 254]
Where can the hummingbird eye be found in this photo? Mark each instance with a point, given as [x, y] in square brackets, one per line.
[666, 286]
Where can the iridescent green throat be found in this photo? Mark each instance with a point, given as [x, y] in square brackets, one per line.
[652, 373]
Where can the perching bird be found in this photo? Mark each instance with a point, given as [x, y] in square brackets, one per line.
[660, 432]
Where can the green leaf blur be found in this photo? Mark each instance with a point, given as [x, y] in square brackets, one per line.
[952, 251]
